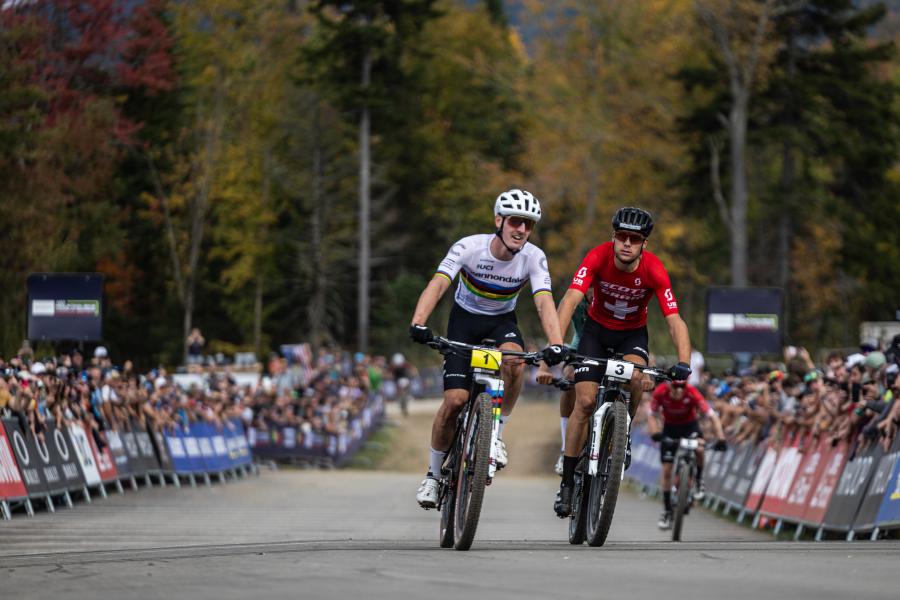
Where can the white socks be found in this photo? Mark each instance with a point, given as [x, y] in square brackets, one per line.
[503, 420]
[563, 422]
[435, 462]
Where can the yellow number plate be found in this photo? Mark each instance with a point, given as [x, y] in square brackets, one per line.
[486, 359]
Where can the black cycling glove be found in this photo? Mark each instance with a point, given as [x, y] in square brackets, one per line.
[420, 334]
[553, 355]
[720, 446]
[680, 371]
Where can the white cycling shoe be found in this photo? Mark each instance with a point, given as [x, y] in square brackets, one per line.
[502, 458]
[427, 494]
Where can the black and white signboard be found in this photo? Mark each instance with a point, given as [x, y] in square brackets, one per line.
[744, 320]
[65, 306]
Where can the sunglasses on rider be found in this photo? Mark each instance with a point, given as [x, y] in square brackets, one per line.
[634, 238]
[516, 222]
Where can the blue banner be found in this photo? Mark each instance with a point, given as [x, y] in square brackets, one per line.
[889, 513]
[177, 451]
[645, 466]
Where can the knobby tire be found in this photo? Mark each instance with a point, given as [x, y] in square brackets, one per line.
[473, 471]
[684, 488]
[602, 502]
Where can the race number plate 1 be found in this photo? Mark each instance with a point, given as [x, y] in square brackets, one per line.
[484, 358]
[618, 369]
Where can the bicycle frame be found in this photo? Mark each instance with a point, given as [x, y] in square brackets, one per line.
[617, 373]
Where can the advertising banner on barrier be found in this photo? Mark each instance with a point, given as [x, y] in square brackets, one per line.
[82, 447]
[761, 479]
[204, 437]
[821, 497]
[145, 448]
[735, 464]
[220, 448]
[888, 516]
[117, 449]
[645, 465]
[135, 463]
[26, 453]
[714, 470]
[192, 446]
[162, 451]
[851, 488]
[779, 487]
[177, 451]
[63, 455]
[106, 463]
[807, 480]
[11, 484]
[878, 485]
[245, 457]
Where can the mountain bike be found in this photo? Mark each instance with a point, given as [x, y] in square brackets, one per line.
[601, 464]
[471, 462]
[683, 473]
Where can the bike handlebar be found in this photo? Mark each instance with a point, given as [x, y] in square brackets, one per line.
[658, 374]
[445, 346]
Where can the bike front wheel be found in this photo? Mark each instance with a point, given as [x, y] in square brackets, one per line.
[604, 489]
[473, 471]
[684, 489]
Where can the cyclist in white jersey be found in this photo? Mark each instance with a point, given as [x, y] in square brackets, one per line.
[493, 269]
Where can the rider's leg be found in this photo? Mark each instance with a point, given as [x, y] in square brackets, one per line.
[698, 476]
[666, 483]
[566, 405]
[637, 383]
[585, 399]
[513, 372]
[442, 429]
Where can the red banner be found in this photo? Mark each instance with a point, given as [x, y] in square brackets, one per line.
[810, 472]
[818, 503]
[105, 462]
[761, 481]
[11, 485]
[782, 479]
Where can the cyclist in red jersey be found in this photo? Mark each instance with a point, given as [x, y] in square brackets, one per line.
[675, 409]
[624, 278]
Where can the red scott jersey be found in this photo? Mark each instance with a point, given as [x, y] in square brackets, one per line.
[620, 298]
[679, 412]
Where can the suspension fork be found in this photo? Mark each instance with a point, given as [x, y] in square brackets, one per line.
[605, 398]
[495, 389]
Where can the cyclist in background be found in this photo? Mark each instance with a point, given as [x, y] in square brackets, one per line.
[675, 409]
[402, 372]
[624, 278]
[493, 268]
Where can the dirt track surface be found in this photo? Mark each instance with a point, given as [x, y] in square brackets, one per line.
[359, 534]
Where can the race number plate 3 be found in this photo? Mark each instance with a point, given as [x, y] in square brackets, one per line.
[618, 369]
[484, 358]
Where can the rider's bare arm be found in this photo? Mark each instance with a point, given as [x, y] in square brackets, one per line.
[567, 308]
[429, 298]
[549, 320]
[680, 337]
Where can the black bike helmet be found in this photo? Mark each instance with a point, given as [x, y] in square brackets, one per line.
[633, 219]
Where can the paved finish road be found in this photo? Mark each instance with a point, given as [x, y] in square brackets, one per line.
[309, 534]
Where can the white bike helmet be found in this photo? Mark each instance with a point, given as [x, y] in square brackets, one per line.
[518, 203]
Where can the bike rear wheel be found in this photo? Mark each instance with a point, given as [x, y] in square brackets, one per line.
[605, 486]
[684, 488]
[473, 469]
[577, 522]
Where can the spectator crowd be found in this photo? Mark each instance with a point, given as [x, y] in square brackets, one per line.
[319, 394]
[849, 398]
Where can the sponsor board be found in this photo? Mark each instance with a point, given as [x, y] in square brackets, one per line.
[11, 484]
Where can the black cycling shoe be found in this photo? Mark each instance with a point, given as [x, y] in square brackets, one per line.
[628, 453]
[563, 505]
